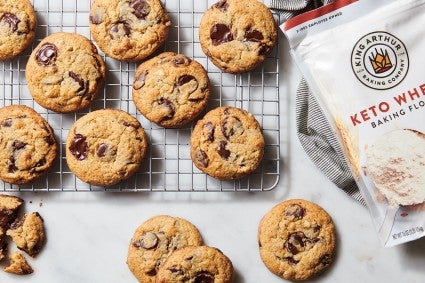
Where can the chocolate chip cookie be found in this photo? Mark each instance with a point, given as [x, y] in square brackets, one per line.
[227, 143]
[27, 232]
[65, 72]
[129, 30]
[237, 35]
[105, 147]
[9, 207]
[171, 89]
[155, 240]
[18, 265]
[28, 146]
[196, 264]
[18, 23]
[296, 240]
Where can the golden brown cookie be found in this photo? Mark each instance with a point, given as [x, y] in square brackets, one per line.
[64, 72]
[18, 23]
[170, 89]
[129, 30]
[227, 143]
[18, 265]
[296, 240]
[28, 145]
[196, 264]
[105, 147]
[237, 35]
[155, 240]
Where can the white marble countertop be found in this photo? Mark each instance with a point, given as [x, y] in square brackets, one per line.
[88, 233]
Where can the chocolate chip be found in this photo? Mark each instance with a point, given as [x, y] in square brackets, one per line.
[141, 9]
[208, 131]
[316, 228]
[139, 81]
[11, 167]
[119, 30]
[326, 260]
[164, 102]
[204, 277]
[148, 241]
[175, 269]
[231, 126]
[202, 158]
[17, 223]
[6, 215]
[96, 16]
[291, 260]
[7, 122]
[50, 140]
[295, 241]
[253, 35]
[295, 212]
[79, 147]
[226, 111]
[101, 150]
[264, 49]
[17, 145]
[220, 33]
[189, 258]
[47, 54]
[11, 20]
[151, 272]
[40, 163]
[185, 79]
[82, 89]
[222, 5]
[133, 125]
[181, 61]
[222, 151]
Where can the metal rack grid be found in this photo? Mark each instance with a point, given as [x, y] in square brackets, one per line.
[168, 166]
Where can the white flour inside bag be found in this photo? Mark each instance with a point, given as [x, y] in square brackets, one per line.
[365, 62]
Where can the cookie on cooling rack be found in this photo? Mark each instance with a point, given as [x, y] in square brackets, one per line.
[196, 264]
[170, 89]
[18, 23]
[28, 145]
[237, 35]
[155, 240]
[105, 147]
[65, 72]
[296, 240]
[227, 143]
[128, 30]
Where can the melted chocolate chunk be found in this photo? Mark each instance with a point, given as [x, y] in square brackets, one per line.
[101, 150]
[6, 215]
[222, 151]
[209, 130]
[204, 277]
[47, 54]
[7, 122]
[326, 260]
[295, 242]
[175, 269]
[17, 145]
[17, 223]
[11, 20]
[253, 35]
[11, 167]
[220, 33]
[181, 61]
[202, 158]
[226, 111]
[222, 5]
[141, 9]
[127, 124]
[264, 49]
[151, 272]
[96, 19]
[185, 79]
[148, 241]
[169, 105]
[139, 81]
[119, 30]
[79, 147]
[50, 140]
[295, 212]
[291, 260]
[231, 126]
[82, 89]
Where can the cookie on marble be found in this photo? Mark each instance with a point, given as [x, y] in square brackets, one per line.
[9, 207]
[18, 23]
[105, 147]
[27, 232]
[170, 89]
[65, 72]
[227, 143]
[28, 146]
[129, 30]
[18, 265]
[296, 240]
[196, 264]
[237, 35]
[155, 240]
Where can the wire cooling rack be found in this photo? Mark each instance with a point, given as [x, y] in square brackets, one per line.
[168, 166]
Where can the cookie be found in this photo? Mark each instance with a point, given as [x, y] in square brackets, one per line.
[9, 207]
[65, 72]
[296, 240]
[105, 147]
[27, 233]
[18, 265]
[170, 89]
[227, 143]
[18, 23]
[155, 240]
[237, 35]
[128, 30]
[196, 264]
[28, 145]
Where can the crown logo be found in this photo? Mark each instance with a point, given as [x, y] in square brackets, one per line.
[381, 61]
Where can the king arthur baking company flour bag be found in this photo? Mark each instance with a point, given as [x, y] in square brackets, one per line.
[365, 62]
